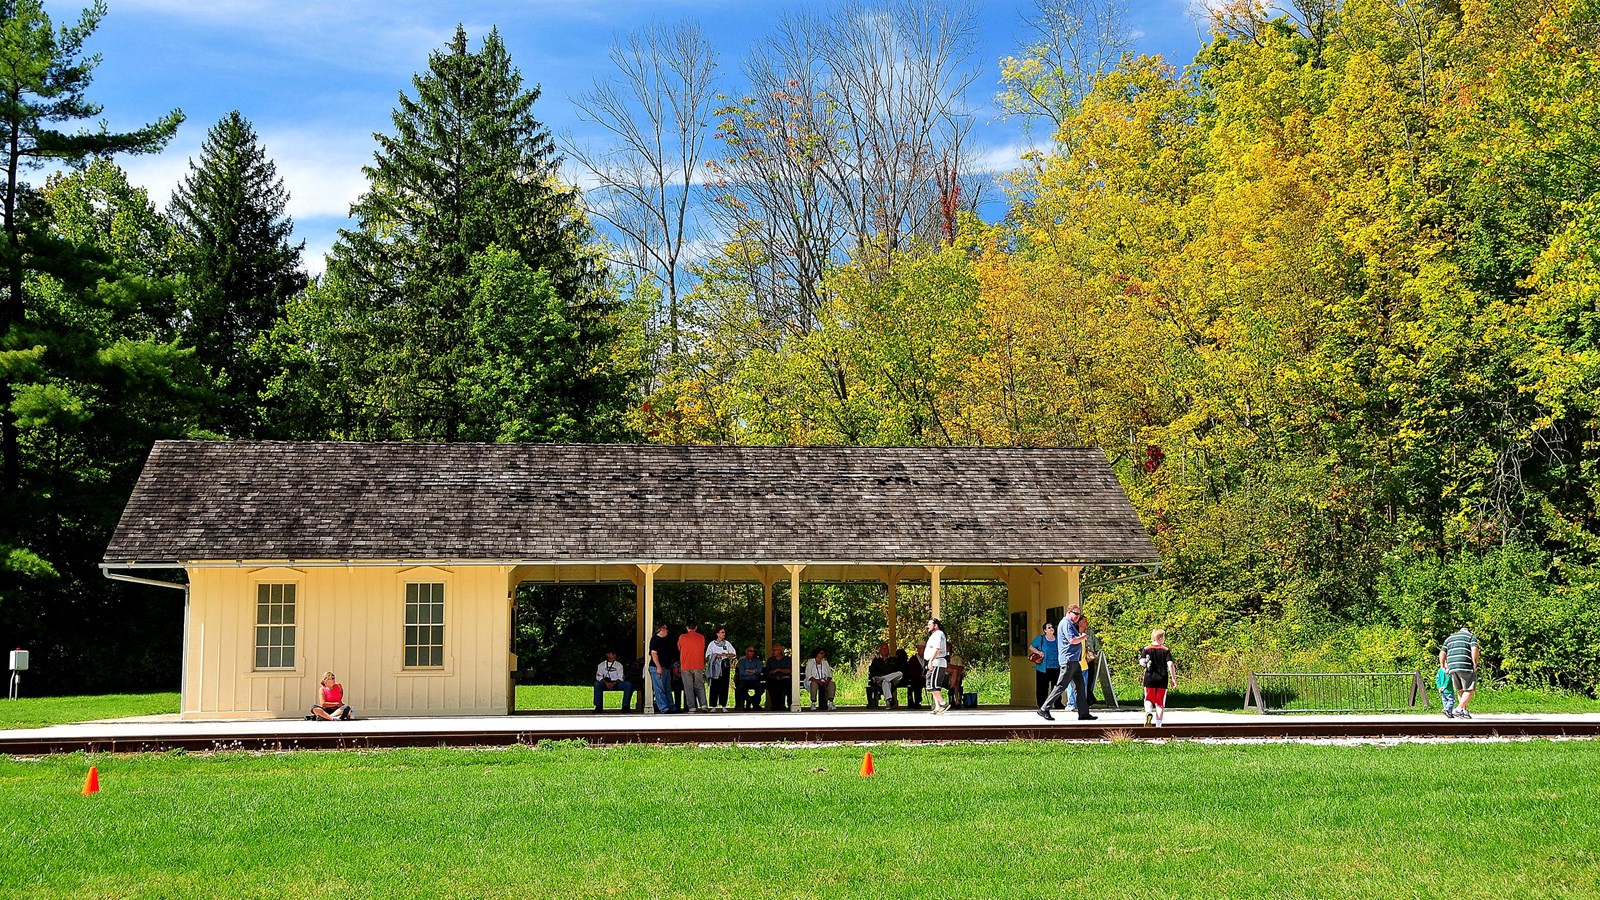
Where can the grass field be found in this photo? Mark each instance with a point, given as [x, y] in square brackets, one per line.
[34, 712]
[955, 821]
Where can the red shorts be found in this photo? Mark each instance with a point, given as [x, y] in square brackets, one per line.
[1158, 696]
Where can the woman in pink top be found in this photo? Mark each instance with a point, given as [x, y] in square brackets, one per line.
[330, 701]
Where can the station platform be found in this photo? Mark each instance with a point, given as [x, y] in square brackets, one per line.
[162, 733]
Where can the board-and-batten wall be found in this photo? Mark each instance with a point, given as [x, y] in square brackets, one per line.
[350, 620]
[1033, 591]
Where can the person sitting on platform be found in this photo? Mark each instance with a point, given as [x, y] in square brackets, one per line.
[884, 675]
[778, 670]
[330, 703]
[819, 680]
[608, 676]
[915, 675]
[747, 676]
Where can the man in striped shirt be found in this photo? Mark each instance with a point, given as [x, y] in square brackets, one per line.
[1459, 657]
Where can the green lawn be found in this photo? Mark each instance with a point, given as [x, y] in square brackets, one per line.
[1179, 819]
[34, 712]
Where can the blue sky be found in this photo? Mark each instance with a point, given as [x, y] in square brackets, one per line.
[318, 78]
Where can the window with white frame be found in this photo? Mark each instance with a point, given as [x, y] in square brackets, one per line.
[275, 626]
[424, 625]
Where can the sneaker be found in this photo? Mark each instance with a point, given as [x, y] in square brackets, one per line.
[1463, 714]
[1045, 715]
[1086, 717]
[1449, 714]
[831, 706]
[1148, 718]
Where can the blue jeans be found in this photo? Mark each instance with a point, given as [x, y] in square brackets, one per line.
[661, 681]
[626, 687]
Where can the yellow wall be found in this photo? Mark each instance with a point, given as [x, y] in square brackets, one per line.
[350, 620]
[1034, 590]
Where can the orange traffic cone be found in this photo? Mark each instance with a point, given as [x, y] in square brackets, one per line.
[866, 766]
[91, 785]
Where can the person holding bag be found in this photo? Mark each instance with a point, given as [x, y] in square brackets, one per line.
[1046, 663]
[1091, 660]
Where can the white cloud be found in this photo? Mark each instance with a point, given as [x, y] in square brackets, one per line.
[367, 36]
[321, 168]
[997, 159]
[316, 252]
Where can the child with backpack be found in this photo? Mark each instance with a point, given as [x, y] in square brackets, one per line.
[1160, 673]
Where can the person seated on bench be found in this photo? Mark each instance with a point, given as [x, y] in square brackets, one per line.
[747, 680]
[957, 671]
[778, 669]
[883, 678]
[916, 675]
[634, 672]
[819, 680]
[608, 676]
[330, 703]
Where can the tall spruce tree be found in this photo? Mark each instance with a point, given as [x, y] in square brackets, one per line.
[240, 264]
[467, 304]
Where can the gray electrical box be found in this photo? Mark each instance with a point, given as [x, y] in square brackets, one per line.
[19, 660]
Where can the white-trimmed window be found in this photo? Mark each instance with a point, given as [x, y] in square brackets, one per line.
[424, 625]
[275, 626]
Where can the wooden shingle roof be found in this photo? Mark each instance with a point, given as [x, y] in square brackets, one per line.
[204, 500]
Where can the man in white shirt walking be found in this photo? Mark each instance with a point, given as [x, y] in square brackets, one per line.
[936, 657]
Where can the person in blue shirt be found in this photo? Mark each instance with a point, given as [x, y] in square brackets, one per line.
[1046, 663]
[747, 678]
[1069, 645]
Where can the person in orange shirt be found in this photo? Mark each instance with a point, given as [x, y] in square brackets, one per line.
[692, 656]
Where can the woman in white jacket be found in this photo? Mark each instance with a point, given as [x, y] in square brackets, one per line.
[719, 662]
[819, 680]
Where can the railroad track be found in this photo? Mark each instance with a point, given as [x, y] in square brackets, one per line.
[1272, 728]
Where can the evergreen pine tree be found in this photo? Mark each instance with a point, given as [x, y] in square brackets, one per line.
[89, 371]
[466, 305]
[44, 75]
[240, 264]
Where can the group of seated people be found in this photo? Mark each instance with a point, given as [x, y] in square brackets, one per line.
[766, 683]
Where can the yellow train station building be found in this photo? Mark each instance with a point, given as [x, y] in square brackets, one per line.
[396, 565]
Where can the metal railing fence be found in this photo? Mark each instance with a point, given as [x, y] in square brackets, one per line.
[1322, 692]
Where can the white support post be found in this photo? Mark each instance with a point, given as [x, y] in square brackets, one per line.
[794, 637]
[649, 570]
